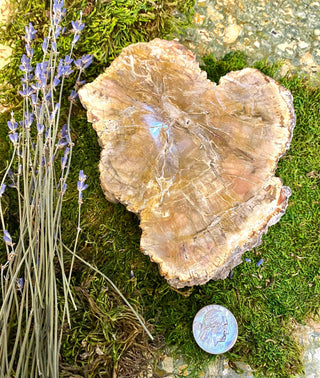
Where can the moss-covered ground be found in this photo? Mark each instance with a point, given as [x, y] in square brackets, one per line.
[105, 340]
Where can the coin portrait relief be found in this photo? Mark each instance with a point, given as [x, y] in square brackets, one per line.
[214, 328]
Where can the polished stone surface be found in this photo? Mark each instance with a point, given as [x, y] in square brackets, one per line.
[194, 160]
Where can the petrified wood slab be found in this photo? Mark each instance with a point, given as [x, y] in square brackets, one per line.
[194, 160]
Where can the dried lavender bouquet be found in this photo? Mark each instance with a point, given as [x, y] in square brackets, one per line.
[30, 331]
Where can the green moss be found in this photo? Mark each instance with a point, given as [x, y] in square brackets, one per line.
[233, 61]
[264, 299]
[218, 68]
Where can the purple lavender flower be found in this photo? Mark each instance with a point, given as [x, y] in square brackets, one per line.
[55, 82]
[48, 96]
[86, 61]
[52, 116]
[38, 110]
[81, 186]
[67, 70]
[41, 72]
[68, 60]
[73, 96]
[25, 61]
[26, 91]
[12, 182]
[27, 77]
[12, 126]
[260, 262]
[64, 188]
[34, 99]
[83, 62]
[20, 284]
[45, 44]
[77, 26]
[7, 238]
[54, 47]
[30, 33]
[67, 65]
[2, 189]
[45, 67]
[64, 67]
[40, 128]
[64, 131]
[28, 119]
[78, 63]
[64, 159]
[75, 39]
[60, 68]
[247, 260]
[14, 138]
[58, 30]
[62, 143]
[54, 112]
[25, 64]
[29, 51]
[58, 5]
[82, 176]
[79, 83]
[58, 11]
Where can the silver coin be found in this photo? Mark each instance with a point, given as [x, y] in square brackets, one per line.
[215, 329]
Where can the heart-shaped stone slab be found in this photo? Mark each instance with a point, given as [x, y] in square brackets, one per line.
[193, 159]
